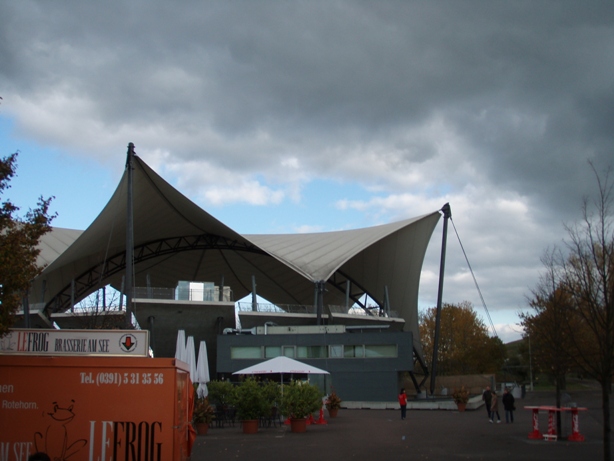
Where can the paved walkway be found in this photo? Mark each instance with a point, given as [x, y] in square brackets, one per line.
[380, 435]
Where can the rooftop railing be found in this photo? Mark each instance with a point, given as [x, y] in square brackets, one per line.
[310, 309]
[181, 294]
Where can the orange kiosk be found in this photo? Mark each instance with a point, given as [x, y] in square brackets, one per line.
[92, 395]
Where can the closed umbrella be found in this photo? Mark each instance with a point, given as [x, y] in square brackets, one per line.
[202, 371]
[191, 358]
[180, 348]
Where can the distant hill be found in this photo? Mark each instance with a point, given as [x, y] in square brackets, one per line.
[513, 348]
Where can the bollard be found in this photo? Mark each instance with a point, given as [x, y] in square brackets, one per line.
[535, 434]
[551, 434]
[575, 427]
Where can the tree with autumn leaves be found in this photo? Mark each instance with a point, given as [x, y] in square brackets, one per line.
[465, 346]
[19, 238]
[550, 327]
[572, 323]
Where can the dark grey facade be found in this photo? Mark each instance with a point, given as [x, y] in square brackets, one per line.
[363, 366]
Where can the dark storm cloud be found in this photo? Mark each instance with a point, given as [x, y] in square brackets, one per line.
[342, 72]
[493, 104]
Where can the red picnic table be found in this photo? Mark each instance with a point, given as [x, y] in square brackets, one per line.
[551, 434]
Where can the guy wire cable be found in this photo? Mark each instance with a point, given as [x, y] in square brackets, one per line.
[474, 280]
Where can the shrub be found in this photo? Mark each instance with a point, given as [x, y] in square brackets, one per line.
[300, 399]
[249, 400]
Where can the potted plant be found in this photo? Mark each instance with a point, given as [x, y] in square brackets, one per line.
[272, 395]
[221, 393]
[333, 403]
[222, 397]
[203, 414]
[250, 404]
[461, 397]
[300, 399]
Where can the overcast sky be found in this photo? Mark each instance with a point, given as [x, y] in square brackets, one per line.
[302, 116]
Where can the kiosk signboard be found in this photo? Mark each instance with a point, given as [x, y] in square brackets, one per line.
[78, 408]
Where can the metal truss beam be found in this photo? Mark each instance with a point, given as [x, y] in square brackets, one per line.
[85, 283]
[338, 281]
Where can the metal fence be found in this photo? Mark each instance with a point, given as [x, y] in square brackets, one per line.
[181, 294]
[308, 309]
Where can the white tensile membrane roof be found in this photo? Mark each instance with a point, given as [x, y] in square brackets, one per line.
[175, 239]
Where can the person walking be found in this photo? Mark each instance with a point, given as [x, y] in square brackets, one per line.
[487, 397]
[494, 408]
[508, 405]
[403, 403]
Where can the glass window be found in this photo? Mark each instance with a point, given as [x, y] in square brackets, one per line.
[272, 351]
[383, 350]
[353, 351]
[289, 351]
[311, 352]
[335, 351]
[246, 352]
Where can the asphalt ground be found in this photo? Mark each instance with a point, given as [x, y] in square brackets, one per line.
[425, 434]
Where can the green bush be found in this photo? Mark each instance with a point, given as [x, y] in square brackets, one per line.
[250, 401]
[272, 393]
[300, 399]
[221, 393]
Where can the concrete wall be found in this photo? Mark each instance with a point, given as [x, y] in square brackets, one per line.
[354, 379]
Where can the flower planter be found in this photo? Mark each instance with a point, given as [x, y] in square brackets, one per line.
[202, 428]
[298, 424]
[461, 406]
[332, 412]
[250, 426]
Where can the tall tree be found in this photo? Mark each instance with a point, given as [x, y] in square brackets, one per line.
[464, 345]
[587, 277]
[575, 305]
[19, 237]
[550, 327]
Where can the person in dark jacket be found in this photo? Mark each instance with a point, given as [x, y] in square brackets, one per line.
[487, 398]
[508, 404]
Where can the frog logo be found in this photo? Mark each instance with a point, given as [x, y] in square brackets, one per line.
[55, 440]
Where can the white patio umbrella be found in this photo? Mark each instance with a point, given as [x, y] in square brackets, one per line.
[202, 371]
[282, 365]
[180, 348]
[191, 358]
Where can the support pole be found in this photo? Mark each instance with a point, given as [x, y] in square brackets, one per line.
[43, 290]
[72, 295]
[121, 293]
[347, 295]
[386, 302]
[149, 288]
[152, 343]
[129, 239]
[254, 296]
[320, 304]
[25, 303]
[447, 214]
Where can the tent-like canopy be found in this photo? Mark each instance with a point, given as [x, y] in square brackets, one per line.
[174, 240]
[281, 365]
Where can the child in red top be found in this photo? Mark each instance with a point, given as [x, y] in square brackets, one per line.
[403, 403]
